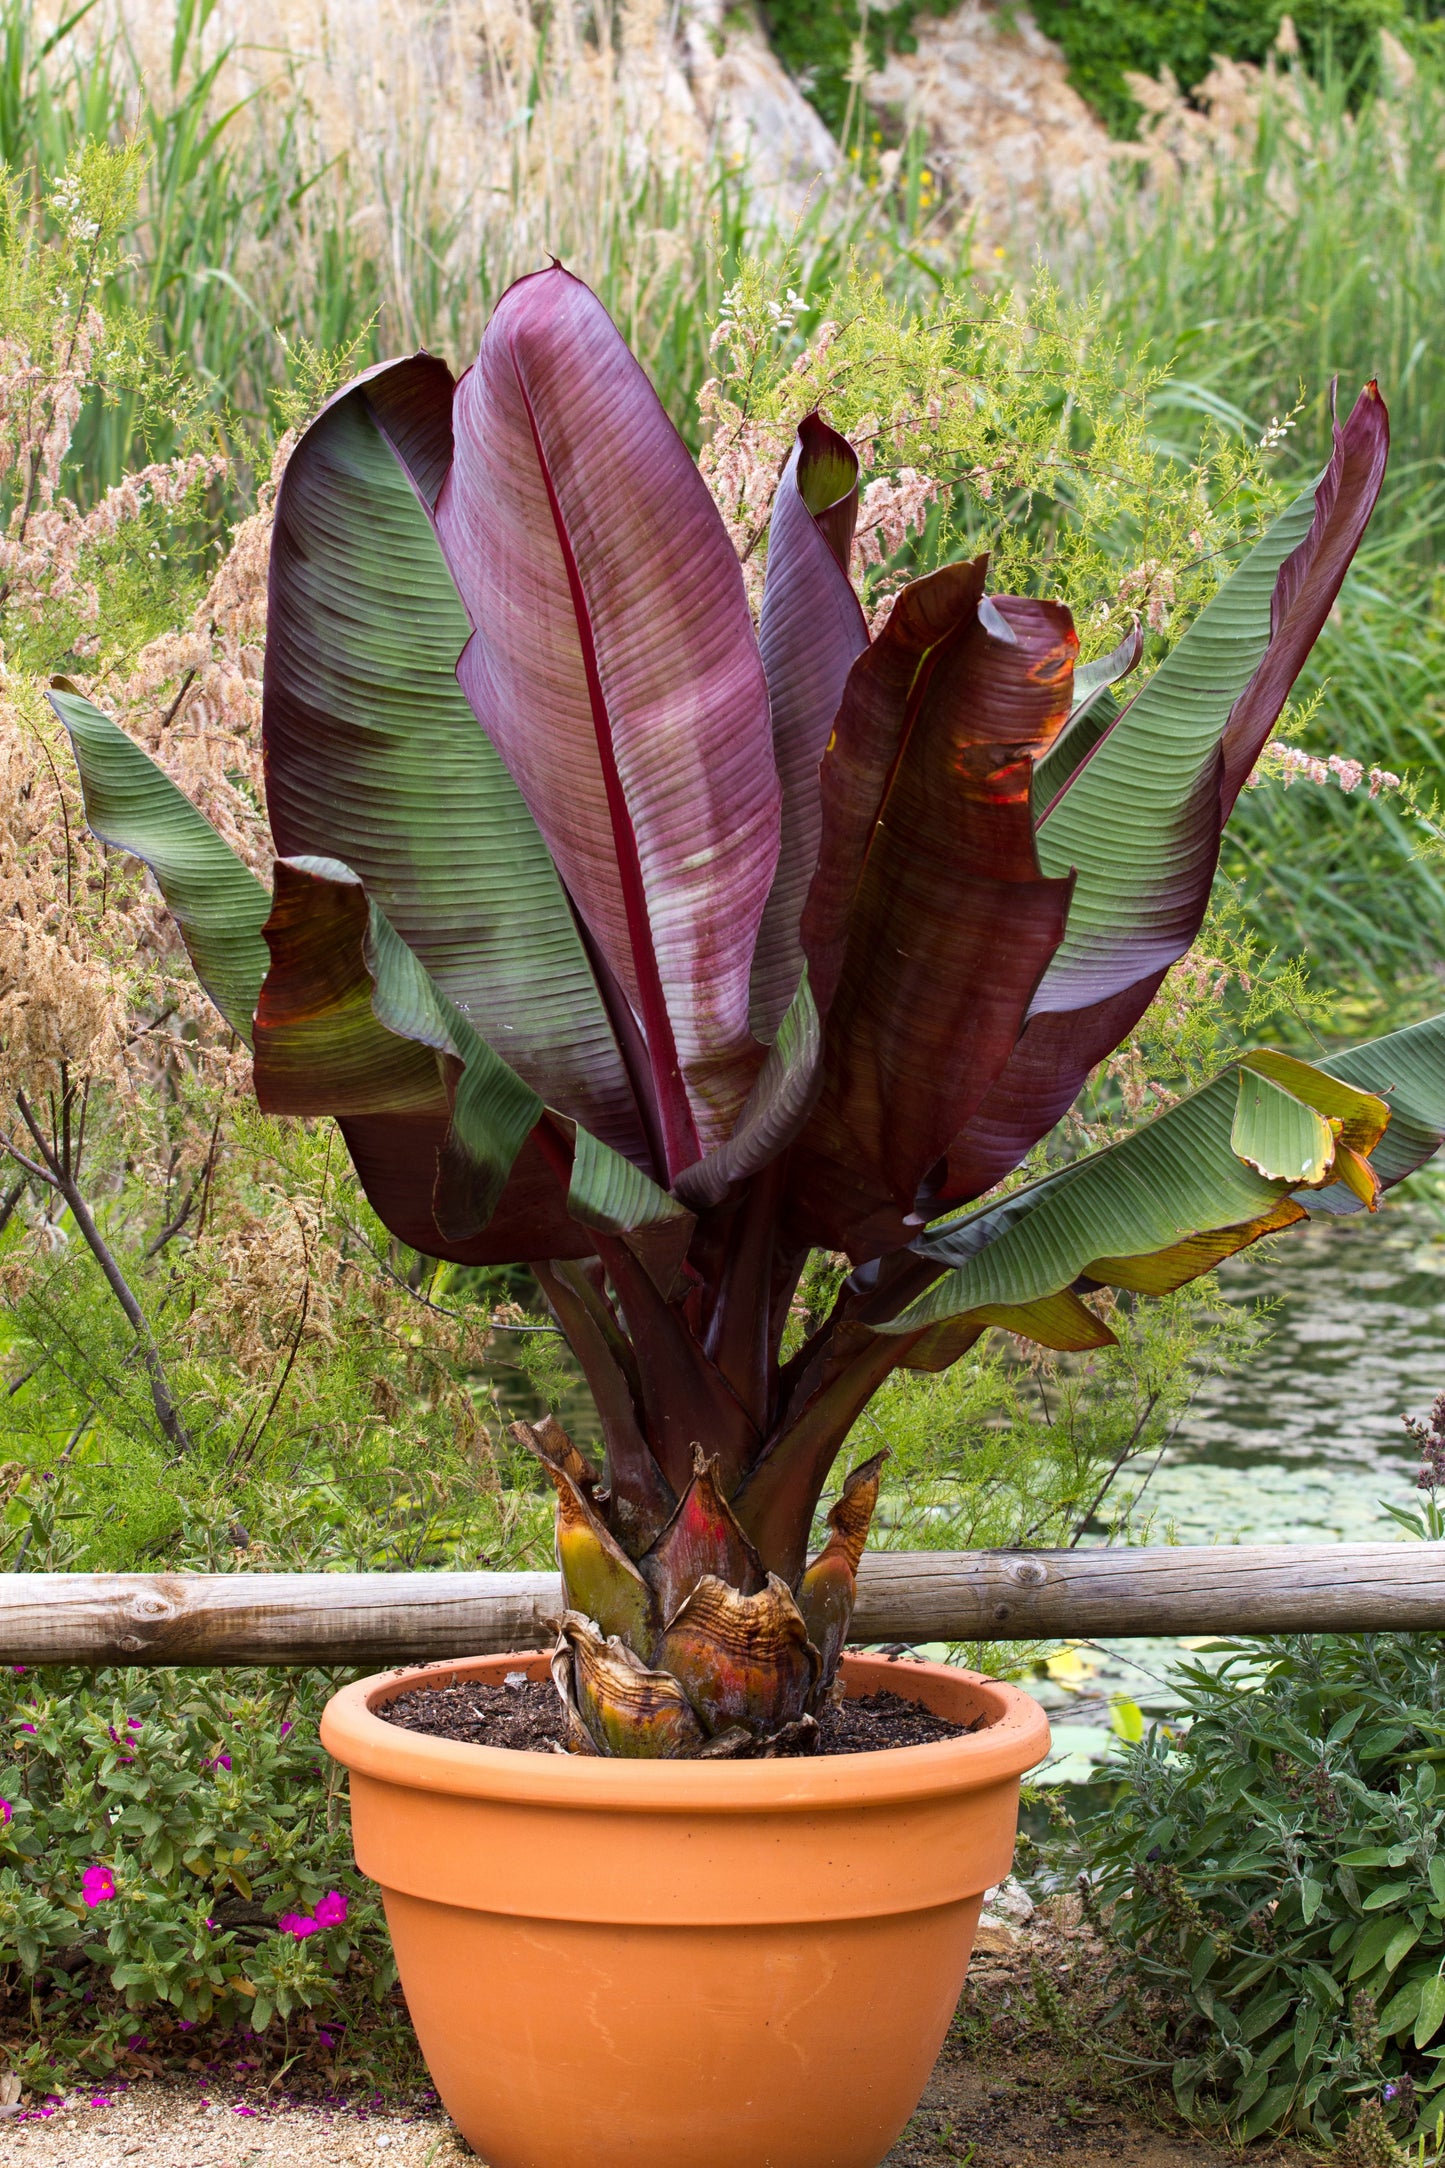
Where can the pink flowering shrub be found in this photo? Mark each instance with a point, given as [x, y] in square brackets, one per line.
[172, 1867]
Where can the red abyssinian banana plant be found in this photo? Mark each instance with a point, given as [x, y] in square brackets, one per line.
[654, 950]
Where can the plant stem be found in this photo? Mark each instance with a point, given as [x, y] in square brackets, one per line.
[173, 1226]
[60, 1178]
[1098, 1498]
[244, 1451]
[175, 707]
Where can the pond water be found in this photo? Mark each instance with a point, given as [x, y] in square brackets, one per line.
[1298, 1447]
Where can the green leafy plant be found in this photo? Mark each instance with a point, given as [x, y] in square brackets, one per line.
[1271, 1872]
[1277, 1882]
[794, 939]
[173, 1869]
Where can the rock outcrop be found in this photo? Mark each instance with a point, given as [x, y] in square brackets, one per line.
[1009, 136]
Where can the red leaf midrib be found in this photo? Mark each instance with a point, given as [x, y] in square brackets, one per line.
[680, 1139]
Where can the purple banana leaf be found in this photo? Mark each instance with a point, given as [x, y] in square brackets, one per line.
[930, 999]
[812, 629]
[1141, 820]
[614, 667]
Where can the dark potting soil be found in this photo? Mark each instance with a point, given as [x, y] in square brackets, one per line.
[527, 1717]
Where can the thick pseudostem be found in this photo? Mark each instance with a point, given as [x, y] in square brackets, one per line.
[693, 1648]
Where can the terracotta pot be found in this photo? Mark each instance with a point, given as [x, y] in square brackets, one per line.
[628, 1964]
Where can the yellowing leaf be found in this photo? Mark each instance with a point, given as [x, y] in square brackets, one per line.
[1278, 1135]
[1057, 1321]
[1363, 1117]
[1358, 1176]
[1072, 1666]
[1161, 1272]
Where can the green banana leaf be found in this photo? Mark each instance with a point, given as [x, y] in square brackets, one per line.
[216, 901]
[1231, 1156]
[350, 1022]
[1126, 825]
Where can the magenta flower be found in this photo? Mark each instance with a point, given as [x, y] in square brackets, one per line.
[331, 1912]
[297, 1924]
[285, 1727]
[19, 1670]
[6, 1810]
[97, 1886]
[27, 1727]
[217, 1761]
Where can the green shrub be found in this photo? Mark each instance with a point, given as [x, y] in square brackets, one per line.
[1273, 1876]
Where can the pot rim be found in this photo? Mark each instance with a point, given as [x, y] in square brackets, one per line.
[1015, 1739]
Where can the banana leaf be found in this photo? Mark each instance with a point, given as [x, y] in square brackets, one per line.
[647, 763]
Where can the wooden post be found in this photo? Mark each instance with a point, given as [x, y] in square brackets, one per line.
[907, 1597]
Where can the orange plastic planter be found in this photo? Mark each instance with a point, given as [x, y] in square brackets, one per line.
[627, 1964]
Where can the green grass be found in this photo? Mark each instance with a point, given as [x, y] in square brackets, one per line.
[1323, 254]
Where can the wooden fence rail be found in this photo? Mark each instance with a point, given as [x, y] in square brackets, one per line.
[905, 1597]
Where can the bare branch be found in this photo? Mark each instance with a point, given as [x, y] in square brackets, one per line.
[175, 707]
[35, 1171]
[167, 1415]
[244, 1451]
[173, 1227]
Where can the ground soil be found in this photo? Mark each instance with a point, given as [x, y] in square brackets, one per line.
[526, 1715]
[999, 2114]
[1010, 2090]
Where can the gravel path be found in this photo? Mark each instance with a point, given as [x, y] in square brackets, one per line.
[1016, 2102]
[180, 2126]
[1005, 2116]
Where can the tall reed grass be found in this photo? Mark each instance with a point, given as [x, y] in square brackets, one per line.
[374, 175]
[1296, 241]
[336, 174]
[1299, 242]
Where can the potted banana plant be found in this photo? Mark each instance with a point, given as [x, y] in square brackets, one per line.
[655, 951]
